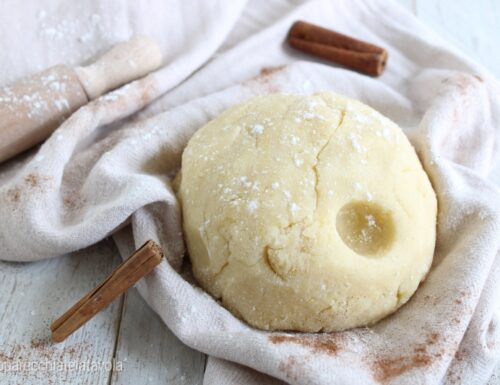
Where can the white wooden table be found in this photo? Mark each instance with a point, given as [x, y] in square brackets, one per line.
[128, 331]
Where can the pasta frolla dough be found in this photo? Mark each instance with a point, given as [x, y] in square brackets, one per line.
[307, 213]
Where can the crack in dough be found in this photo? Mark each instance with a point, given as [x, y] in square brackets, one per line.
[318, 155]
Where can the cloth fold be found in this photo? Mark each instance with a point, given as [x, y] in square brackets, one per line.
[109, 169]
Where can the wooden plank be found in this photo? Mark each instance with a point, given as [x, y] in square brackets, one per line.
[34, 294]
[471, 26]
[150, 353]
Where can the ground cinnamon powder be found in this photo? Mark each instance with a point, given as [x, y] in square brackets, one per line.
[264, 81]
[385, 369]
[319, 343]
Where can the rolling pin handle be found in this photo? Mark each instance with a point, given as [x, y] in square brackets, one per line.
[125, 62]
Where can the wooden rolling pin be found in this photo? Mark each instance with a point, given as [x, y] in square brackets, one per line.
[32, 108]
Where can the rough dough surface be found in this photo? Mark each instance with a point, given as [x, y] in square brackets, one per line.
[307, 213]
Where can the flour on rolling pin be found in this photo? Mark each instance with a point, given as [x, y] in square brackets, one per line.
[32, 108]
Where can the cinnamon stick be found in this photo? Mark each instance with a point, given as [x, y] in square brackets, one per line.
[352, 53]
[139, 264]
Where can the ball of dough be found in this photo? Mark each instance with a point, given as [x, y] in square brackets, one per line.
[306, 213]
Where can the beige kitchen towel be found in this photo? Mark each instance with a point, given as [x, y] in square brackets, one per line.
[108, 170]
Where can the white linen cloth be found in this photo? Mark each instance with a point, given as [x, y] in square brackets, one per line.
[108, 170]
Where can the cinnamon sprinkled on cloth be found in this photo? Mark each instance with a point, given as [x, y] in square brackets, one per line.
[318, 343]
